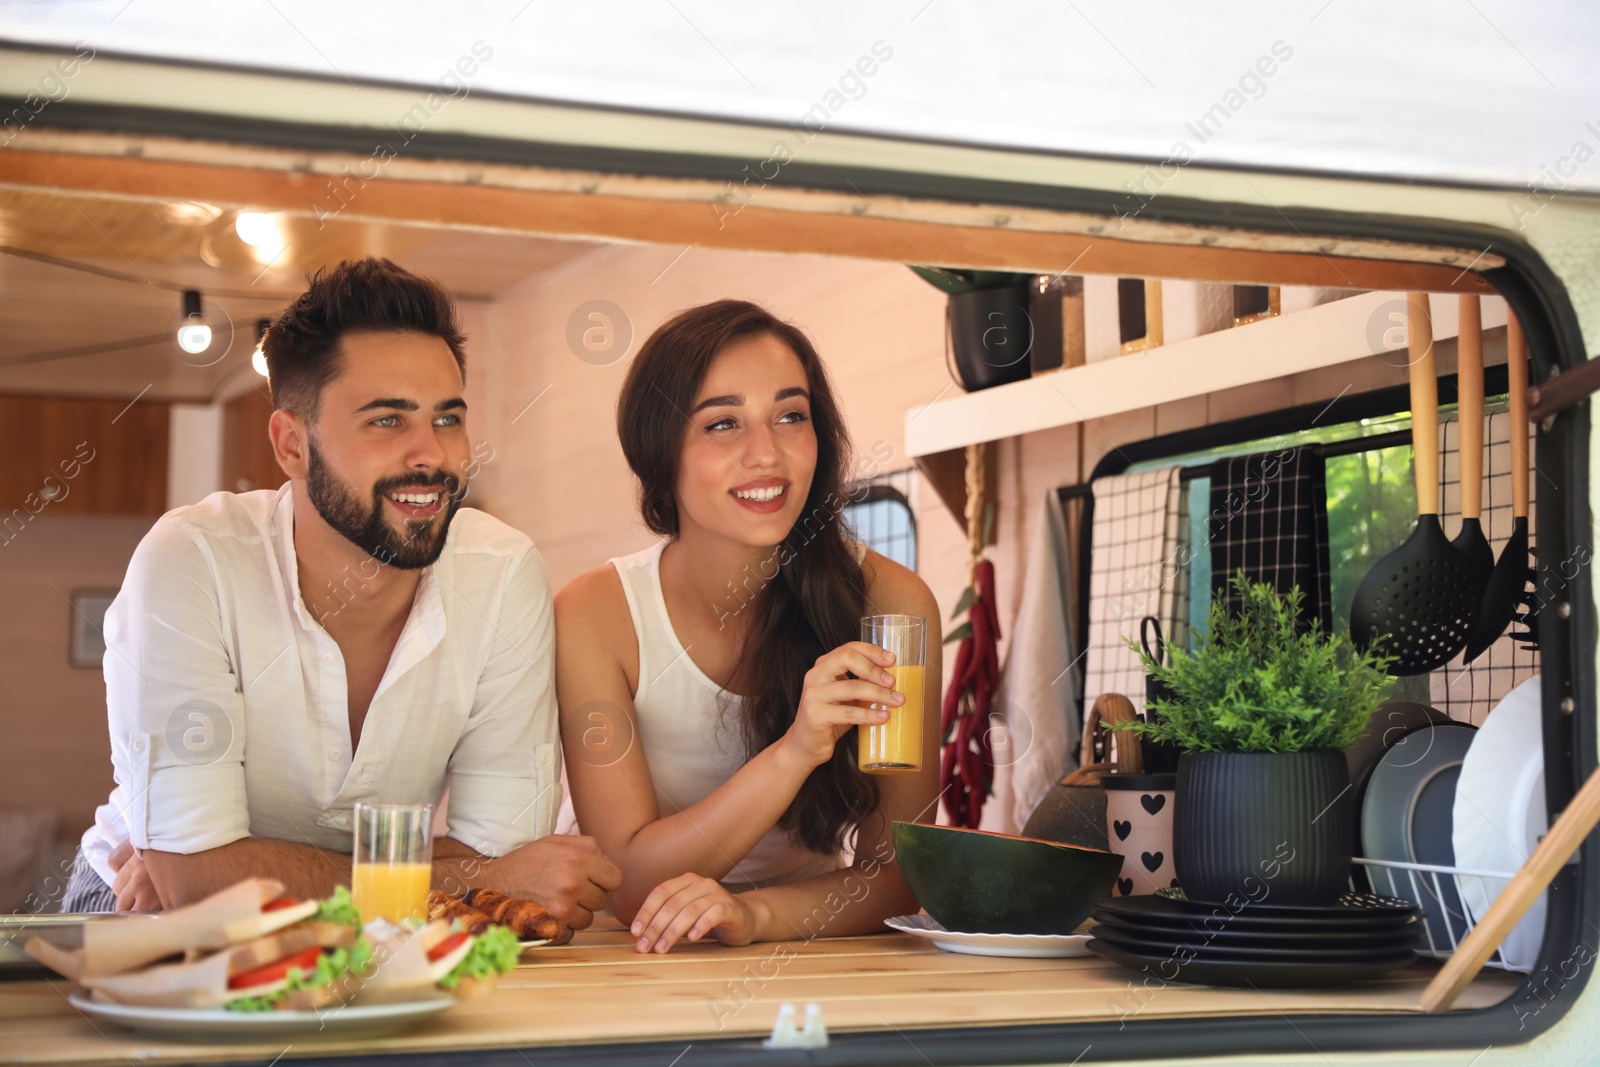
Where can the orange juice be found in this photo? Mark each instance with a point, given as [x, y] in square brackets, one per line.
[895, 747]
[394, 891]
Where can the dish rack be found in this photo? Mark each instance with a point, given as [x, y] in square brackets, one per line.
[1424, 884]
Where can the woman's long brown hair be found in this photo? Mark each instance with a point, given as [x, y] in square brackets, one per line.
[815, 601]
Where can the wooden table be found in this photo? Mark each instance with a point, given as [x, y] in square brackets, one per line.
[599, 991]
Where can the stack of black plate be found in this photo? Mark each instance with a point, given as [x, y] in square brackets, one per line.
[1262, 945]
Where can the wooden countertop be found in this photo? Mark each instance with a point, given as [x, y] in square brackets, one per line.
[599, 990]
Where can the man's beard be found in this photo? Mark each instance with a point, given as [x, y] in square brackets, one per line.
[365, 527]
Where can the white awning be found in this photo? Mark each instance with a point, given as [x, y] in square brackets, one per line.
[1484, 92]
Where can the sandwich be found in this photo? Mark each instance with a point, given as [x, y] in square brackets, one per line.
[277, 954]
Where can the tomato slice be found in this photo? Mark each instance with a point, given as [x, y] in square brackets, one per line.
[302, 961]
[280, 903]
[447, 946]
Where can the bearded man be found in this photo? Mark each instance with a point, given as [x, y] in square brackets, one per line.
[275, 657]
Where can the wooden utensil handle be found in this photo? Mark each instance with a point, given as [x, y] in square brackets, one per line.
[1566, 834]
[1469, 378]
[1517, 383]
[1424, 402]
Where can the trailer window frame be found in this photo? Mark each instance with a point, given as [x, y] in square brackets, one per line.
[1565, 521]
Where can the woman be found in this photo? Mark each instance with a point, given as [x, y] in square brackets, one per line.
[709, 684]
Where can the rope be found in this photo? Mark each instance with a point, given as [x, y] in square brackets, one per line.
[974, 509]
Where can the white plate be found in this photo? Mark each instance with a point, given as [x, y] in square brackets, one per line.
[1031, 946]
[526, 945]
[211, 1023]
[1500, 813]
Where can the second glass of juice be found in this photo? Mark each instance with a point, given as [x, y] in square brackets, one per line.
[895, 747]
[392, 861]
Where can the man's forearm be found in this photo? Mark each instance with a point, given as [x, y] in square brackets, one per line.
[310, 873]
[306, 872]
[458, 868]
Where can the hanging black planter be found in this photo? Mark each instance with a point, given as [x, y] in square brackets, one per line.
[1263, 827]
[988, 323]
[991, 335]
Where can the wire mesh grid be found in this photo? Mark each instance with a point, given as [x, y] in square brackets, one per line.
[1468, 692]
[1136, 571]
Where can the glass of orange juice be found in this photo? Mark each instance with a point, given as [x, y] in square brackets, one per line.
[391, 865]
[895, 747]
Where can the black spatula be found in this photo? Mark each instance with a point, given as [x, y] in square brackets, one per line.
[1418, 599]
[1474, 548]
[1509, 579]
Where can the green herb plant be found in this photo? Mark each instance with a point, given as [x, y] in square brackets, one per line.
[1261, 680]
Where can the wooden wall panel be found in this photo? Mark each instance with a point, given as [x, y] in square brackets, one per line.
[99, 457]
[247, 460]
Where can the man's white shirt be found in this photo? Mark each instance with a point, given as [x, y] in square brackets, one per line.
[227, 700]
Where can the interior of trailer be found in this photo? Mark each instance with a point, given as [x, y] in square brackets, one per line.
[1242, 342]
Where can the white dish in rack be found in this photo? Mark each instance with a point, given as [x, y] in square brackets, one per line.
[1500, 813]
[1029, 946]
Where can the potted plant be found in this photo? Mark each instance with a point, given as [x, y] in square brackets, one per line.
[1262, 707]
[991, 332]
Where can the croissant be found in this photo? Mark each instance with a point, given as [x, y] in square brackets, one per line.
[444, 906]
[528, 919]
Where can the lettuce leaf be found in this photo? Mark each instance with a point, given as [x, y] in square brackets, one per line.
[338, 909]
[495, 951]
[337, 964]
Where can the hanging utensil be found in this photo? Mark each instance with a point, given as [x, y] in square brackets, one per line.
[1509, 579]
[1418, 598]
[1160, 757]
[1151, 625]
[1476, 554]
[1566, 834]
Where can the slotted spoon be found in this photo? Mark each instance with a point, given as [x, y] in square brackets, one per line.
[1470, 542]
[1509, 579]
[1419, 598]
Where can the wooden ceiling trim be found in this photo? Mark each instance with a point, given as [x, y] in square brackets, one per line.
[339, 173]
[858, 227]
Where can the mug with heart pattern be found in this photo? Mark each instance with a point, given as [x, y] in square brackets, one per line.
[1139, 829]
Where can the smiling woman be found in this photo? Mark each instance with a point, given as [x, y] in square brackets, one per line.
[746, 717]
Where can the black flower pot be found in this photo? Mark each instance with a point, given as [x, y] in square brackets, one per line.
[1263, 827]
[991, 336]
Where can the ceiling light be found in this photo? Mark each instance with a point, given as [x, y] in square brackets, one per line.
[258, 359]
[254, 228]
[261, 233]
[194, 336]
[188, 213]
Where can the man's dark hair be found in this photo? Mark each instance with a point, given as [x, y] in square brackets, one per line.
[366, 295]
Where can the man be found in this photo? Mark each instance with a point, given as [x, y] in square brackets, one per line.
[275, 657]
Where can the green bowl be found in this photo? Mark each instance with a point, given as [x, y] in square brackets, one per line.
[985, 883]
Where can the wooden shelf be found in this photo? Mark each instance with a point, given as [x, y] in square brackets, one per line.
[1328, 334]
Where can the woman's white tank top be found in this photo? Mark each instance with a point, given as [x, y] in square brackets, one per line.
[690, 742]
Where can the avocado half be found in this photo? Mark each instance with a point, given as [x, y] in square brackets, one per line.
[986, 883]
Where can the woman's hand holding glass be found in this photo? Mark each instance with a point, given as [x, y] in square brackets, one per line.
[831, 700]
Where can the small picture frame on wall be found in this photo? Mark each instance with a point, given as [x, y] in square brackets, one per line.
[86, 642]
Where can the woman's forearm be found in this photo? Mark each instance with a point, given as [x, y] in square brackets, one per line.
[853, 900]
[710, 838]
